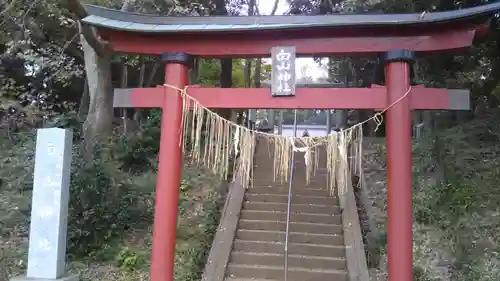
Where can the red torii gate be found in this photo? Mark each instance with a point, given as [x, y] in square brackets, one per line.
[397, 36]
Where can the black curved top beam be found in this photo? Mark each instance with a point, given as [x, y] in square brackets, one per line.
[126, 21]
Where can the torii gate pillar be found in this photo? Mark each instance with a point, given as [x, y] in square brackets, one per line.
[169, 167]
[399, 165]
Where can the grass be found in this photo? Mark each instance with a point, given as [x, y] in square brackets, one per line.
[127, 256]
[455, 202]
[462, 203]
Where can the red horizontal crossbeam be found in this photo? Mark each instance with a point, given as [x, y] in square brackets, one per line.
[305, 98]
[259, 45]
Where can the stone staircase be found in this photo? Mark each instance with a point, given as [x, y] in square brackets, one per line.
[316, 244]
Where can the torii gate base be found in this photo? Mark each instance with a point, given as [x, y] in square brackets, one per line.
[398, 127]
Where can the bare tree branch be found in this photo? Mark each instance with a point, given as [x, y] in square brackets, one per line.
[257, 11]
[152, 74]
[128, 5]
[100, 46]
[275, 7]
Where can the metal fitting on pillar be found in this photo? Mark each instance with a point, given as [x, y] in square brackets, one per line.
[408, 56]
[179, 58]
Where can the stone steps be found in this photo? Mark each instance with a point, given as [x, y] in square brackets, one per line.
[297, 208]
[317, 228]
[299, 237]
[316, 250]
[283, 190]
[307, 249]
[276, 273]
[297, 199]
[294, 260]
[296, 217]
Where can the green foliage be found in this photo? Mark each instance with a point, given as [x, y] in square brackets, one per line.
[102, 204]
[190, 259]
[138, 152]
[108, 204]
[68, 120]
[463, 201]
[130, 259]
[420, 275]
[209, 72]
[376, 242]
[17, 162]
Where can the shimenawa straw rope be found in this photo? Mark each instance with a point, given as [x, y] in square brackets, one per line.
[213, 140]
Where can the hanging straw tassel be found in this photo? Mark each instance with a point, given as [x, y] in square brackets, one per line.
[213, 140]
[244, 166]
[282, 156]
[332, 153]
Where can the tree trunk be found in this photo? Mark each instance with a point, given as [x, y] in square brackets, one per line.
[234, 116]
[417, 125]
[480, 107]
[100, 115]
[248, 80]
[139, 114]
[83, 107]
[256, 82]
[271, 119]
[280, 122]
[341, 114]
[124, 111]
[248, 73]
[428, 121]
[226, 65]
[194, 72]
[341, 119]
[99, 121]
[226, 81]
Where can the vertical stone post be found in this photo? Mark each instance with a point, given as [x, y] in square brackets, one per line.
[49, 208]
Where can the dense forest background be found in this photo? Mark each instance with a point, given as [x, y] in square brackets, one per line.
[44, 53]
[56, 72]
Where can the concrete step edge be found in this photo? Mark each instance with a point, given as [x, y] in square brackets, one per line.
[292, 222]
[272, 190]
[294, 196]
[271, 187]
[280, 268]
[292, 232]
[289, 255]
[229, 278]
[291, 243]
[293, 204]
[281, 212]
[269, 191]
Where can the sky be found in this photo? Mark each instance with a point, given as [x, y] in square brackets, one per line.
[302, 65]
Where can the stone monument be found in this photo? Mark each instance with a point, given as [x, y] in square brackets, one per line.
[49, 208]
